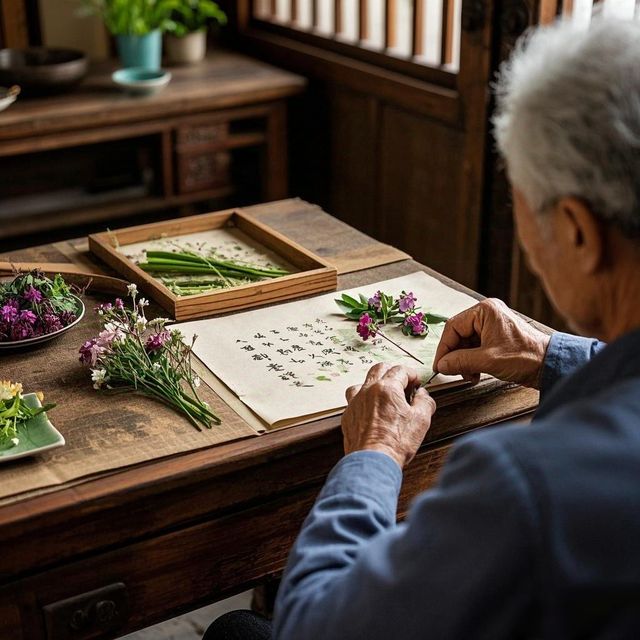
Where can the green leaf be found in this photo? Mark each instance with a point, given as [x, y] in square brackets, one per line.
[352, 301]
[434, 318]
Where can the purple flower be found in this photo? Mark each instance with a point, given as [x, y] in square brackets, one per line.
[13, 302]
[21, 331]
[415, 325]
[51, 322]
[119, 304]
[28, 317]
[32, 294]
[90, 351]
[406, 302]
[157, 341]
[67, 317]
[8, 313]
[367, 326]
[375, 301]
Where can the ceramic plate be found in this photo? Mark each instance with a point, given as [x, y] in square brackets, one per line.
[143, 82]
[36, 435]
[17, 344]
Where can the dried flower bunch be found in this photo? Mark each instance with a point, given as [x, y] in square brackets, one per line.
[380, 309]
[14, 412]
[133, 353]
[33, 305]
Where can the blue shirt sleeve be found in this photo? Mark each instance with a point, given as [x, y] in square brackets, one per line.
[463, 559]
[565, 354]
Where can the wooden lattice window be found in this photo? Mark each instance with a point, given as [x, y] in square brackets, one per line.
[424, 32]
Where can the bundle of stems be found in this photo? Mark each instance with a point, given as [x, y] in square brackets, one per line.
[187, 263]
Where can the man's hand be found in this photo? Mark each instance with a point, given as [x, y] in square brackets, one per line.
[491, 338]
[390, 412]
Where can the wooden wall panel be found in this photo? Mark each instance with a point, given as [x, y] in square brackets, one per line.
[354, 159]
[420, 184]
[15, 27]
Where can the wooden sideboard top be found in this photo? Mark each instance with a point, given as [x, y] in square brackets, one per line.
[223, 80]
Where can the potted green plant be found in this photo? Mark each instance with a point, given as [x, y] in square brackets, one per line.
[187, 29]
[137, 26]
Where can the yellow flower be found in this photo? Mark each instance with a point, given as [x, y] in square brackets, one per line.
[9, 389]
[40, 396]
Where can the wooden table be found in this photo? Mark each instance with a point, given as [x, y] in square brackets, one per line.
[182, 142]
[185, 531]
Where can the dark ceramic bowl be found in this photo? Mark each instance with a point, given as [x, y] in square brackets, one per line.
[41, 70]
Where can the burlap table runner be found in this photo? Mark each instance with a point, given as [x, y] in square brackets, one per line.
[103, 431]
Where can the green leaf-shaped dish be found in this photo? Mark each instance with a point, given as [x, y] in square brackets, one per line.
[35, 435]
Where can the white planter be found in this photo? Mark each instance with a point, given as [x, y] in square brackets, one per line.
[187, 50]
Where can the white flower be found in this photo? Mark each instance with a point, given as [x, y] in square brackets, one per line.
[99, 377]
[158, 322]
[141, 324]
[8, 389]
[156, 366]
[115, 326]
[132, 290]
[196, 381]
[143, 302]
[15, 441]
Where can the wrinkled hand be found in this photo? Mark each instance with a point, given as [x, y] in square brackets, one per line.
[390, 412]
[491, 338]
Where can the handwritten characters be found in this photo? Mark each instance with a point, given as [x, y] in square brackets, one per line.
[317, 352]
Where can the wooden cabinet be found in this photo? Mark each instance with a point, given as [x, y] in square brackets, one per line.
[97, 155]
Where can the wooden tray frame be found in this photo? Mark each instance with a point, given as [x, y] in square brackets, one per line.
[315, 276]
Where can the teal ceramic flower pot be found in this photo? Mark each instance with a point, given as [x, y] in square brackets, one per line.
[143, 52]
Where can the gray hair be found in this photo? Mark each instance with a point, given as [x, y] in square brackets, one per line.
[568, 117]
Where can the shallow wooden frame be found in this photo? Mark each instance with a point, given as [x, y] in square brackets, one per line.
[315, 275]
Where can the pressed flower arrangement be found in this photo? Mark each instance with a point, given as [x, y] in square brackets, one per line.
[14, 412]
[136, 354]
[33, 305]
[382, 309]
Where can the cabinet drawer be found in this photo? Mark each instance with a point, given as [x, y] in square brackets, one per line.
[194, 136]
[201, 171]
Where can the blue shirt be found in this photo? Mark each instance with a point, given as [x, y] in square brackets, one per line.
[531, 531]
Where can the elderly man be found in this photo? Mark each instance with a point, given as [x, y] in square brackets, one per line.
[531, 531]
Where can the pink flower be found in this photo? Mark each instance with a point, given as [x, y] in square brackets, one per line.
[106, 337]
[119, 304]
[415, 325]
[8, 313]
[157, 341]
[90, 351]
[406, 302]
[27, 316]
[375, 301]
[367, 327]
[32, 294]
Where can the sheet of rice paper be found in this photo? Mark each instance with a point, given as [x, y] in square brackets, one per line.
[292, 363]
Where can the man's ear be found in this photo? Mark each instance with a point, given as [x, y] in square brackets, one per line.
[581, 234]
